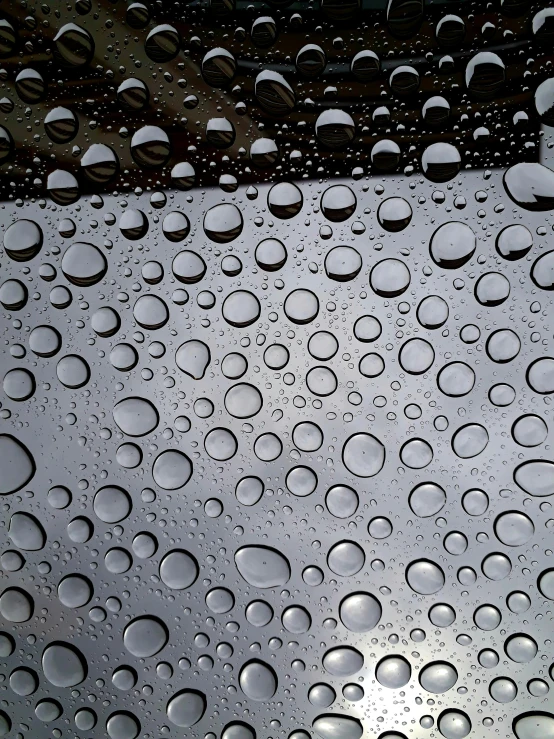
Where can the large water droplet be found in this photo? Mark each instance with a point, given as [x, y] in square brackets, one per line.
[346, 558]
[186, 708]
[336, 726]
[63, 665]
[23, 240]
[171, 470]
[363, 455]
[534, 725]
[84, 264]
[135, 416]
[26, 532]
[17, 465]
[145, 636]
[343, 661]
[452, 245]
[258, 680]
[262, 567]
[360, 612]
[393, 672]
[454, 724]
[343, 263]
[75, 591]
[530, 185]
[513, 528]
[16, 605]
[112, 504]
[425, 577]
[438, 677]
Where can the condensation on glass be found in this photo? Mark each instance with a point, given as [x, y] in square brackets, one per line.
[277, 369]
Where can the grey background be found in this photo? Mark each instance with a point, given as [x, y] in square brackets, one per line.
[74, 454]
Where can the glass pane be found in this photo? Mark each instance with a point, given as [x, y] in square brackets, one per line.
[277, 369]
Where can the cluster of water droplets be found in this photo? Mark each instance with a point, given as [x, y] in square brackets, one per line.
[211, 93]
[283, 471]
[276, 459]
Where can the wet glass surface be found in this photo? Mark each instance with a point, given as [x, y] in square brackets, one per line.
[277, 370]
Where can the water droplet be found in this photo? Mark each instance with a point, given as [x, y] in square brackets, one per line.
[243, 400]
[258, 680]
[441, 162]
[135, 416]
[346, 558]
[343, 263]
[425, 577]
[193, 358]
[363, 455]
[336, 726]
[341, 501]
[122, 725]
[16, 605]
[285, 200]
[17, 465]
[454, 724]
[84, 264]
[530, 185]
[271, 255]
[496, 566]
[520, 648]
[171, 470]
[150, 147]
[63, 665]
[19, 384]
[360, 612]
[343, 661]
[145, 636]
[452, 245]
[301, 306]
[262, 567]
[470, 440]
[26, 532]
[393, 672]
[389, 278]
[186, 708]
[513, 528]
[338, 203]
[438, 677]
[335, 128]
[301, 481]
